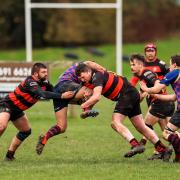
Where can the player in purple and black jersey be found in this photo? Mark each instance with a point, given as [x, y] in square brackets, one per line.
[25, 95]
[173, 79]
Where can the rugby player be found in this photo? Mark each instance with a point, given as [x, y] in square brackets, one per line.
[153, 63]
[25, 95]
[68, 81]
[173, 79]
[158, 109]
[117, 88]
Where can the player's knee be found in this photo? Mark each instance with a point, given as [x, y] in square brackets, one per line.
[167, 131]
[22, 135]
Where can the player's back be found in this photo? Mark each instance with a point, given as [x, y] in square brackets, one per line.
[69, 75]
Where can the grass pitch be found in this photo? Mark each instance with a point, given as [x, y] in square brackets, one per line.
[89, 149]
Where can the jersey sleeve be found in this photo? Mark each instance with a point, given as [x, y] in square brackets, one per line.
[49, 86]
[34, 87]
[150, 76]
[164, 67]
[97, 79]
[134, 80]
[170, 77]
[31, 85]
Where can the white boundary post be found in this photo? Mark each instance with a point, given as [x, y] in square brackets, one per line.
[28, 30]
[119, 37]
[117, 6]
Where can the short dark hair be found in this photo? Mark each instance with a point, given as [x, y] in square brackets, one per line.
[37, 66]
[81, 67]
[175, 59]
[139, 57]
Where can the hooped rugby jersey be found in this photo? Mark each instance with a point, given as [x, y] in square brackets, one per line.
[28, 92]
[112, 84]
[149, 78]
[159, 67]
[69, 75]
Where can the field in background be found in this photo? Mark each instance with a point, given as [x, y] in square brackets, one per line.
[89, 149]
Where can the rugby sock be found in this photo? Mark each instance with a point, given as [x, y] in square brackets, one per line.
[55, 130]
[134, 142]
[177, 156]
[175, 141]
[160, 147]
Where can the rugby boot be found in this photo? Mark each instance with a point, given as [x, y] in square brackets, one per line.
[155, 156]
[166, 155]
[158, 155]
[176, 160]
[9, 156]
[40, 144]
[89, 113]
[135, 150]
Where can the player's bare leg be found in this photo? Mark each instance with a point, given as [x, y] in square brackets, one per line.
[22, 124]
[61, 118]
[150, 121]
[170, 135]
[163, 123]
[59, 128]
[4, 118]
[151, 136]
[117, 125]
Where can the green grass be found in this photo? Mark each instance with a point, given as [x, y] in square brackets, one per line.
[89, 149]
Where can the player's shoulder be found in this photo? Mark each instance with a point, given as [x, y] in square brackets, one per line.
[30, 81]
[147, 72]
[162, 62]
[164, 67]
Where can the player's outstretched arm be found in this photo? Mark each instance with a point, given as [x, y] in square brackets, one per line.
[94, 98]
[53, 95]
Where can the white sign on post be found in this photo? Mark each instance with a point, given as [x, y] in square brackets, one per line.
[11, 74]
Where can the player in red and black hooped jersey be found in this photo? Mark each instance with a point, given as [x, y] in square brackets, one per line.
[152, 63]
[27, 93]
[158, 110]
[172, 78]
[117, 88]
